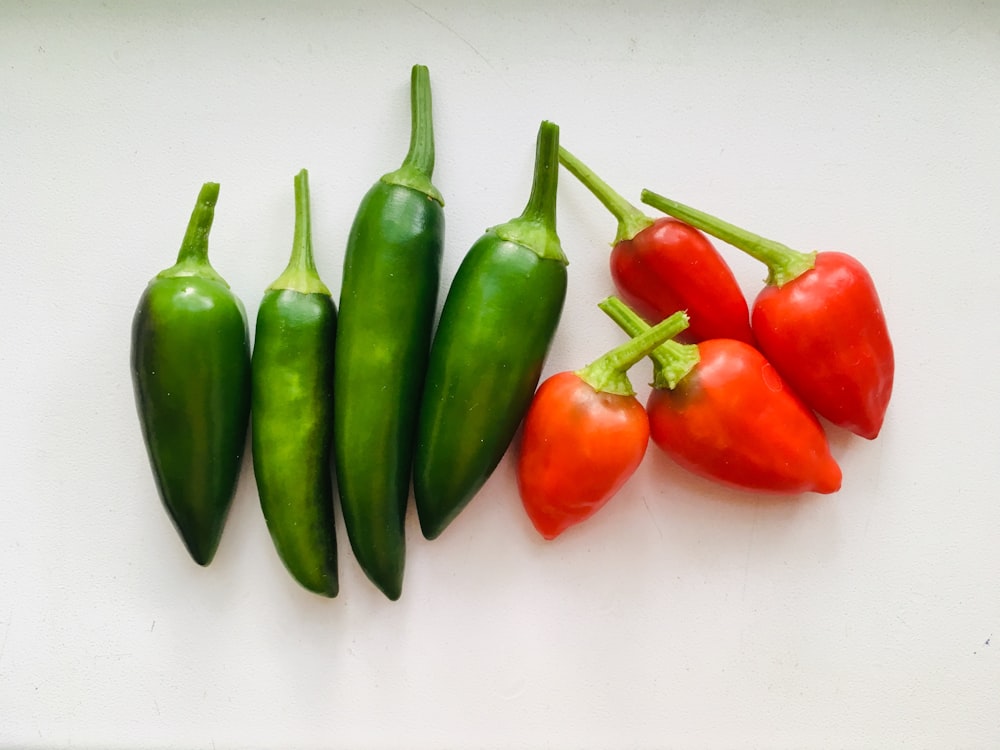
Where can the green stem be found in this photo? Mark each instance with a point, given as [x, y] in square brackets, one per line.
[418, 166]
[631, 220]
[672, 361]
[783, 263]
[192, 259]
[541, 204]
[300, 275]
[535, 228]
[421, 153]
[194, 247]
[609, 373]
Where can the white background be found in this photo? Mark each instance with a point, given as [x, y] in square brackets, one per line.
[683, 615]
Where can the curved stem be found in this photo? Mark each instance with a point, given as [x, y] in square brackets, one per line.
[300, 275]
[192, 259]
[672, 361]
[421, 154]
[418, 166]
[535, 228]
[541, 204]
[608, 374]
[194, 246]
[631, 220]
[783, 263]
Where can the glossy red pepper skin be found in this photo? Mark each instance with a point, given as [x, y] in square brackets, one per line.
[827, 335]
[734, 420]
[662, 266]
[671, 266]
[819, 321]
[585, 434]
[720, 410]
[579, 446]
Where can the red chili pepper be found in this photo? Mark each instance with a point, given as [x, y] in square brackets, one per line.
[819, 321]
[662, 266]
[585, 434]
[721, 411]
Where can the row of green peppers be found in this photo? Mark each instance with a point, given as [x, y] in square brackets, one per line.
[371, 388]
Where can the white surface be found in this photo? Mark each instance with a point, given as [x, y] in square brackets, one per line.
[683, 615]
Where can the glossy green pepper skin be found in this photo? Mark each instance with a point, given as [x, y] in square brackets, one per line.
[495, 330]
[191, 375]
[387, 305]
[292, 412]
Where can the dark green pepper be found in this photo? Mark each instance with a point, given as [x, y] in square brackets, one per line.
[191, 373]
[387, 304]
[495, 330]
[293, 411]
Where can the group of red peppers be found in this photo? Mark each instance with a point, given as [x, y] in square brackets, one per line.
[737, 401]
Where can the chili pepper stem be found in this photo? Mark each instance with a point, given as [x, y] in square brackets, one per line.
[783, 263]
[192, 260]
[301, 275]
[631, 220]
[535, 228]
[672, 361]
[609, 373]
[418, 166]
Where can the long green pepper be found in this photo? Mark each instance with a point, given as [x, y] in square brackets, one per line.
[496, 327]
[387, 305]
[292, 411]
[191, 375]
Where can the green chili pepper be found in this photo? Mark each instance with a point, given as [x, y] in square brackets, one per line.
[387, 305]
[293, 411]
[495, 330]
[191, 373]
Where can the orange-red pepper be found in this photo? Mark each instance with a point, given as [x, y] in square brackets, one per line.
[584, 435]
